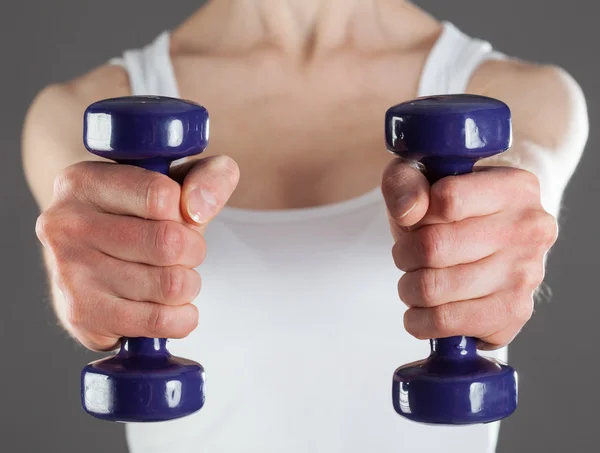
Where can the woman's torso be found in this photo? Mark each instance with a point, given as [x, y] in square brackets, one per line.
[301, 325]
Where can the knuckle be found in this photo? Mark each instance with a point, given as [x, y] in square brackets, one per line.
[409, 325]
[398, 255]
[185, 330]
[521, 309]
[72, 314]
[548, 229]
[158, 320]
[172, 282]
[429, 286]
[161, 195]
[429, 241]
[42, 227]
[542, 229]
[195, 246]
[413, 325]
[447, 193]
[75, 310]
[62, 226]
[80, 304]
[64, 233]
[530, 183]
[69, 180]
[529, 278]
[522, 282]
[169, 242]
[48, 228]
[198, 284]
[443, 320]
[63, 276]
[403, 289]
[57, 281]
[201, 255]
[525, 311]
[75, 226]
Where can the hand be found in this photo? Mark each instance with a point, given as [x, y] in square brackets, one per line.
[123, 244]
[472, 247]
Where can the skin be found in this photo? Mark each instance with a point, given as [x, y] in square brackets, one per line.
[121, 256]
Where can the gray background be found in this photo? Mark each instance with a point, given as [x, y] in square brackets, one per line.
[45, 41]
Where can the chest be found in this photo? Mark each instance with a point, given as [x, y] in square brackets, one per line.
[301, 136]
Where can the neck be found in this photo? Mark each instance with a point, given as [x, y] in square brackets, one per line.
[303, 29]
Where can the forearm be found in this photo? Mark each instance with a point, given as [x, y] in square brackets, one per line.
[550, 122]
[552, 169]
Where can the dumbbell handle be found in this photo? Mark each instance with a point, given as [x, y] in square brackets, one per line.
[158, 165]
[142, 346]
[436, 168]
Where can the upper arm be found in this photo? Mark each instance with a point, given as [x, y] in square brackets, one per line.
[52, 129]
[550, 120]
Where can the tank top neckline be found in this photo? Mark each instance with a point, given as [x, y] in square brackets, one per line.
[245, 215]
[452, 52]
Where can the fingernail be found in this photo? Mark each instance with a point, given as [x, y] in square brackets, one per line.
[202, 205]
[405, 204]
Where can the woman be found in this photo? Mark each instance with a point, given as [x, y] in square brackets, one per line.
[302, 303]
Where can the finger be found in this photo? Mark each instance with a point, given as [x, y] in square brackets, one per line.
[122, 189]
[484, 192]
[152, 242]
[112, 317]
[499, 339]
[431, 287]
[170, 285]
[207, 185]
[97, 343]
[450, 244]
[480, 318]
[406, 193]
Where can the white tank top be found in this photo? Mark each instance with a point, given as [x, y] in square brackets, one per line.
[301, 326]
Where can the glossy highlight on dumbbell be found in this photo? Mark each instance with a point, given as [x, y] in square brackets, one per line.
[454, 385]
[143, 382]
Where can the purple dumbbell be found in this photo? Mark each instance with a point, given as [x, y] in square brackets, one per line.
[454, 385]
[143, 382]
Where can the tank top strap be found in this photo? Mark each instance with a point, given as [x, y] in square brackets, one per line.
[452, 62]
[150, 68]
[448, 69]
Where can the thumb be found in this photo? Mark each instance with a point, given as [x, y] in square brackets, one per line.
[207, 185]
[406, 193]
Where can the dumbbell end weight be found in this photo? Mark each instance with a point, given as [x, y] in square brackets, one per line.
[142, 386]
[143, 382]
[448, 388]
[454, 385]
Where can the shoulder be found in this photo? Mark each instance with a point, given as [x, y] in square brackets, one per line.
[59, 102]
[548, 105]
[51, 135]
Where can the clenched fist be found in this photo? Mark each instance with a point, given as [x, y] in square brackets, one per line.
[124, 242]
[472, 248]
